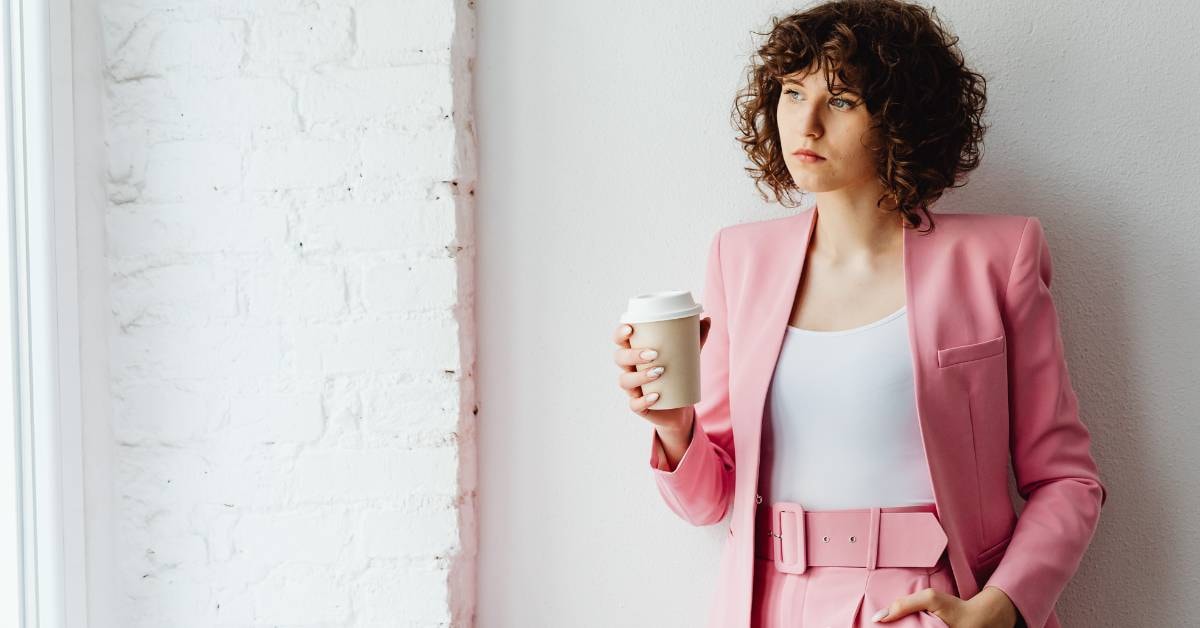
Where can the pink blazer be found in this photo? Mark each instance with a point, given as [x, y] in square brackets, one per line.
[991, 382]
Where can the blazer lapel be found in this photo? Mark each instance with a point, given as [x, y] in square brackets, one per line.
[771, 281]
[771, 285]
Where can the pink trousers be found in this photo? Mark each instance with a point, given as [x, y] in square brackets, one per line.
[840, 596]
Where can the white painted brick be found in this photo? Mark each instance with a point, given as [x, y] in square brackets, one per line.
[306, 37]
[389, 155]
[168, 413]
[195, 48]
[157, 599]
[144, 42]
[412, 409]
[412, 96]
[173, 351]
[189, 228]
[220, 520]
[390, 32]
[218, 471]
[262, 541]
[348, 476]
[304, 290]
[192, 170]
[301, 594]
[277, 417]
[238, 8]
[399, 225]
[375, 345]
[127, 154]
[231, 607]
[285, 392]
[244, 475]
[128, 33]
[390, 346]
[418, 596]
[167, 539]
[305, 346]
[341, 404]
[415, 284]
[194, 291]
[218, 107]
[300, 163]
[394, 533]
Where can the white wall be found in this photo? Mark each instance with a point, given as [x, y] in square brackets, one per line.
[277, 248]
[607, 163]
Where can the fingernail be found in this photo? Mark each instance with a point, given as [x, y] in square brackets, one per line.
[649, 354]
[655, 372]
[880, 615]
[626, 330]
[652, 397]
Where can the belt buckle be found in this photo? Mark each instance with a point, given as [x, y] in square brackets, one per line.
[787, 519]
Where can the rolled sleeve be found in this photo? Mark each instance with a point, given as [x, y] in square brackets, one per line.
[699, 489]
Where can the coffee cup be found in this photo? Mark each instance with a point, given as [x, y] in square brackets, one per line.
[668, 322]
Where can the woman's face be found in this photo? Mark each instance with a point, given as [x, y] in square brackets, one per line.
[834, 127]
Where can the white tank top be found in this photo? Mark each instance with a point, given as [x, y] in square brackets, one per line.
[842, 419]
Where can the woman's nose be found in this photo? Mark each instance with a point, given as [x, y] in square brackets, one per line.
[810, 129]
[806, 122]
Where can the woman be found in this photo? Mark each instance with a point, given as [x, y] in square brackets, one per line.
[871, 384]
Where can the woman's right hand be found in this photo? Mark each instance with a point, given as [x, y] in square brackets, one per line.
[631, 380]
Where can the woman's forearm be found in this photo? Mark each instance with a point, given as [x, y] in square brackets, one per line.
[676, 440]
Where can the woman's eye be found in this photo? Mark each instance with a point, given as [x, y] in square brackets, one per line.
[849, 103]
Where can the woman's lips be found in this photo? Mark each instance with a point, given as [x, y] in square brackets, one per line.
[807, 158]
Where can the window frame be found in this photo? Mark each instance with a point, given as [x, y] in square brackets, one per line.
[40, 210]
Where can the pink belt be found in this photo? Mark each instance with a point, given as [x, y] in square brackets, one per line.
[899, 536]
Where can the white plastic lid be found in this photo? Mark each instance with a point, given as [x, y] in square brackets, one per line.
[661, 306]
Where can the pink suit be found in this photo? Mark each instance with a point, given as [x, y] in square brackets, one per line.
[991, 383]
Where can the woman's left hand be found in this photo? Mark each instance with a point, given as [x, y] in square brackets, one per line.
[990, 608]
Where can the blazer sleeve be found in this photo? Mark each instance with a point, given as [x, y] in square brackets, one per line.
[700, 488]
[1050, 446]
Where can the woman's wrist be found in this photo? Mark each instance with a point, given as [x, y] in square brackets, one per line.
[676, 438]
[680, 430]
[1000, 606]
[687, 422]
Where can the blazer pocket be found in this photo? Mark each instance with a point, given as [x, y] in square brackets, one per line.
[968, 352]
[990, 554]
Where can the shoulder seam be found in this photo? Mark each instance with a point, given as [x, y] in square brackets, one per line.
[1016, 256]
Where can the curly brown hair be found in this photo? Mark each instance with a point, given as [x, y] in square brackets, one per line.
[924, 103]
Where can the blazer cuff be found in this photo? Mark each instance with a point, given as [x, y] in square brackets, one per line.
[692, 463]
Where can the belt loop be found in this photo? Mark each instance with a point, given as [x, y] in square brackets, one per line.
[873, 539]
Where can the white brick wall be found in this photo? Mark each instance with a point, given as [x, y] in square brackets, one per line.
[290, 249]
